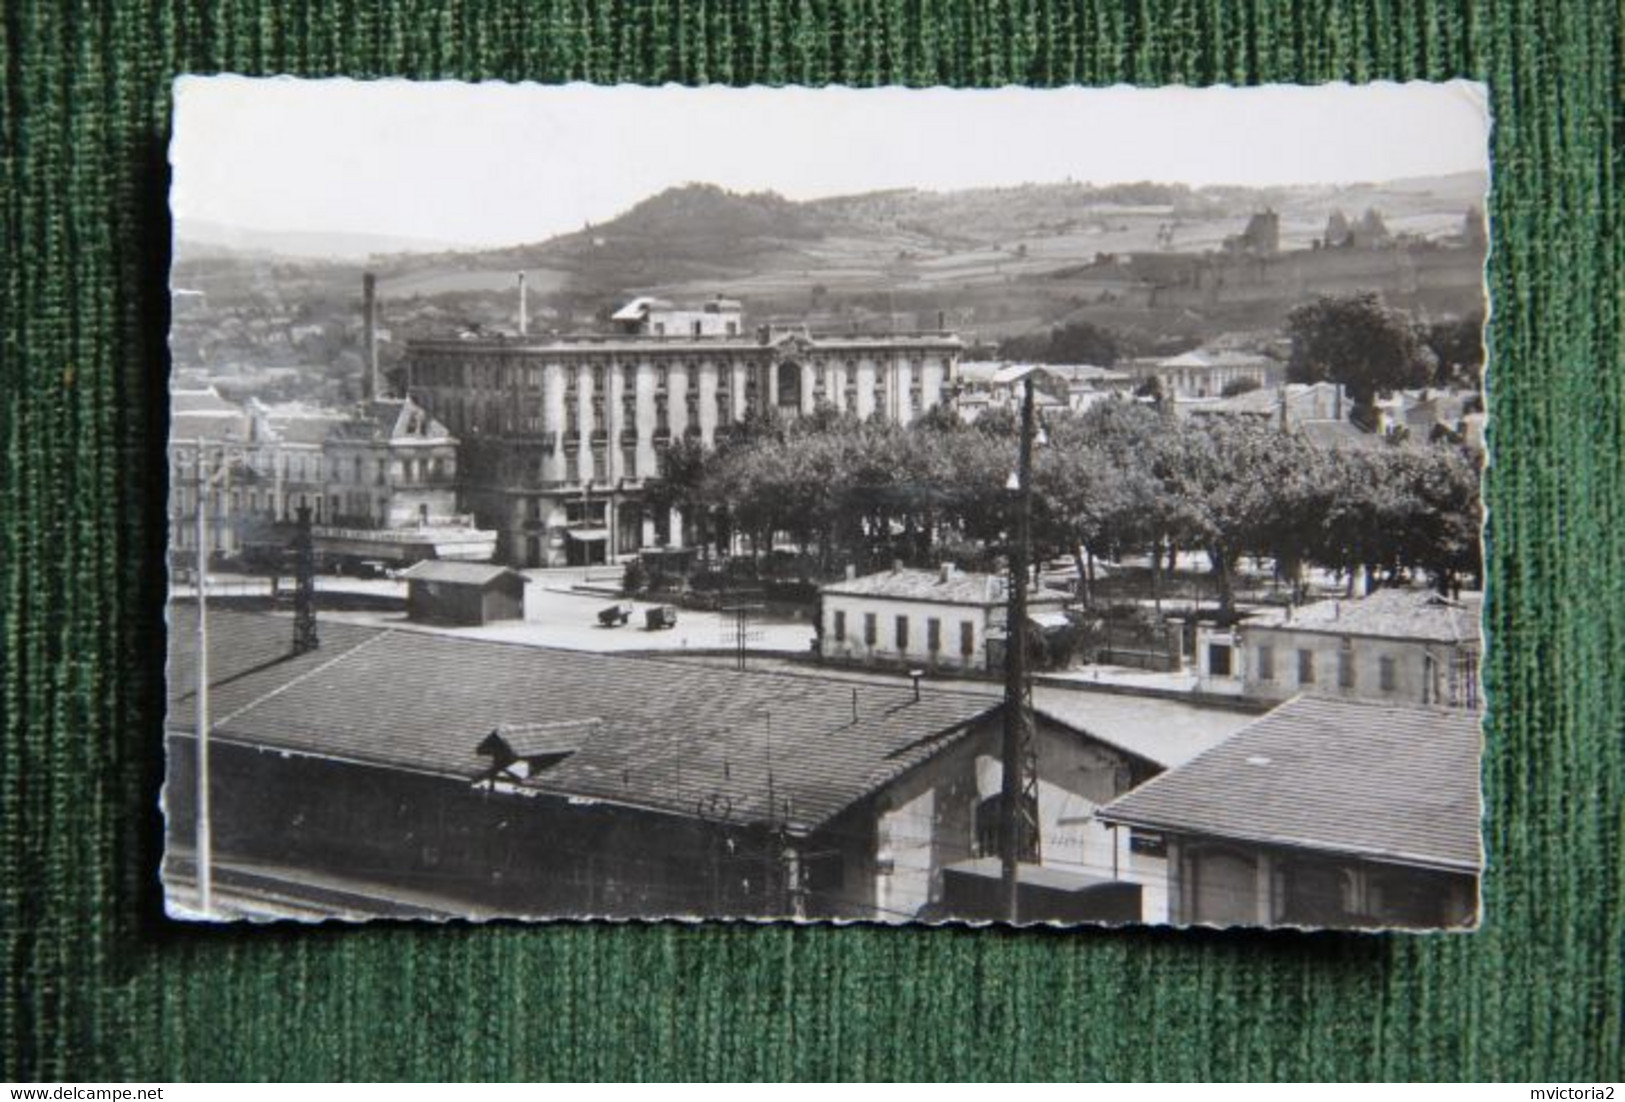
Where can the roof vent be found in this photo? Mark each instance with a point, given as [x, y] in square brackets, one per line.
[947, 571]
[851, 571]
[897, 566]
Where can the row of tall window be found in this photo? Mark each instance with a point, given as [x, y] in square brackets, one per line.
[1452, 682]
[900, 632]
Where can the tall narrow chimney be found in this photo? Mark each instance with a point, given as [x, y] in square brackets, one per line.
[524, 306]
[369, 340]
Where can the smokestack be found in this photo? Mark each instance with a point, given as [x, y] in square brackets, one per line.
[524, 306]
[369, 341]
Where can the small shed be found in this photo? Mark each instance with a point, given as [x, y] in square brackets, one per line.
[442, 591]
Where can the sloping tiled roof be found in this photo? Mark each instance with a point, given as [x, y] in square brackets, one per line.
[457, 572]
[1368, 780]
[961, 588]
[249, 656]
[303, 428]
[674, 737]
[1387, 614]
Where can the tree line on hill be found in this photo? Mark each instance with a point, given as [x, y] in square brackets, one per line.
[1122, 478]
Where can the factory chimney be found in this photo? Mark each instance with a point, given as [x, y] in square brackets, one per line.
[524, 311]
[370, 385]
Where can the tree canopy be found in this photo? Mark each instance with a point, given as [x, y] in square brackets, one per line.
[1355, 340]
[1121, 477]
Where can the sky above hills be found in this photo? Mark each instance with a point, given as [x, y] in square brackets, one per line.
[497, 164]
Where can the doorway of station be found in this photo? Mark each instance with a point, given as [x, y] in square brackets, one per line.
[586, 547]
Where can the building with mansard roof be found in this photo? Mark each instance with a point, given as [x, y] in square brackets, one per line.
[561, 433]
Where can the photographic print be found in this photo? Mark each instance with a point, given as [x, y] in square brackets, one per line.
[1036, 507]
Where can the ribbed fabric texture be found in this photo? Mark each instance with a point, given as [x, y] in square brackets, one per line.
[98, 985]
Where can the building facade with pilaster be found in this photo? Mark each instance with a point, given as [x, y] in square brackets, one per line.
[561, 434]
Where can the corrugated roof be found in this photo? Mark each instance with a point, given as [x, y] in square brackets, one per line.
[458, 572]
[961, 588]
[674, 737]
[1368, 780]
[1388, 613]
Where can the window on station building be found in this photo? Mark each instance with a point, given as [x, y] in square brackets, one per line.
[1386, 673]
[1306, 666]
[838, 628]
[1266, 662]
[871, 629]
[933, 634]
[967, 638]
[1345, 667]
[902, 633]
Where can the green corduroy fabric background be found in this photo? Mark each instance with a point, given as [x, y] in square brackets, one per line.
[100, 986]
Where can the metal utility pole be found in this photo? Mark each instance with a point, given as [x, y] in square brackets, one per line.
[305, 639]
[1018, 838]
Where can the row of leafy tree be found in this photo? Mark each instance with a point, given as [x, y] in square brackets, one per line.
[1121, 478]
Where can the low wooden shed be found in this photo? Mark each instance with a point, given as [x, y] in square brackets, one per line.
[463, 593]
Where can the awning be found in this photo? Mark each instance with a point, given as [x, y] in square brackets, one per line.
[587, 535]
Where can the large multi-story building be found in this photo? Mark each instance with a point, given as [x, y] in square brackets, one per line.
[561, 433]
[379, 478]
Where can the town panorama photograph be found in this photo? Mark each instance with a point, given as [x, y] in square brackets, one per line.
[1033, 507]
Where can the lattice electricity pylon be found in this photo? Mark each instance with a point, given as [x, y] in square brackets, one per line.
[304, 586]
[1021, 715]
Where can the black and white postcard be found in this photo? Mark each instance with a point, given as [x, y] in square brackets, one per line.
[886, 505]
